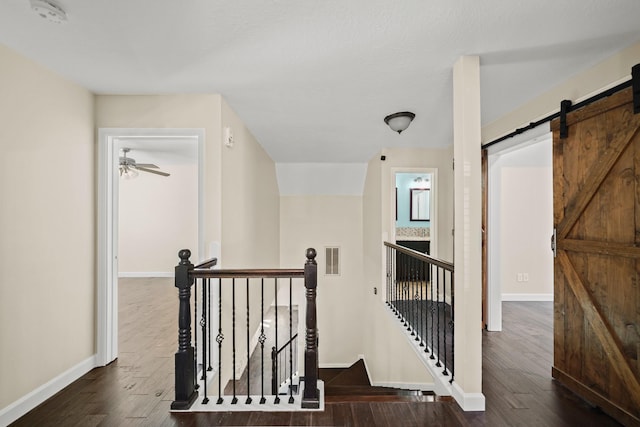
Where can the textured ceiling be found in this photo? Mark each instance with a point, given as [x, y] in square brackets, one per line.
[313, 79]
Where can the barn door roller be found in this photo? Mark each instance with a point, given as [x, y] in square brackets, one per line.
[565, 107]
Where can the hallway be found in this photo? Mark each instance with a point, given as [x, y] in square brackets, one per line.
[137, 389]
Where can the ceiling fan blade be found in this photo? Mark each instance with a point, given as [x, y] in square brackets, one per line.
[152, 171]
[147, 165]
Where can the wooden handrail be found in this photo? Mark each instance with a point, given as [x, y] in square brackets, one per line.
[238, 273]
[422, 257]
[211, 262]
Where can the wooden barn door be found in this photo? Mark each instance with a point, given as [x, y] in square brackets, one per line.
[596, 186]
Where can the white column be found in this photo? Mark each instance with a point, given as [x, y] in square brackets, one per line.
[467, 387]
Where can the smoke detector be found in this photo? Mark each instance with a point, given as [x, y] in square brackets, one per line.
[49, 11]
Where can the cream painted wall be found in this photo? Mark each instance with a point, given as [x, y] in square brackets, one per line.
[329, 221]
[612, 70]
[176, 111]
[250, 200]
[158, 217]
[381, 334]
[250, 214]
[467, 387]
[47, 224]
[527, 221]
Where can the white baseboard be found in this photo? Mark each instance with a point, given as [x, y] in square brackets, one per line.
[146, 274]
[468, 401]
[527, 297]
[29, 401]
[405, 386]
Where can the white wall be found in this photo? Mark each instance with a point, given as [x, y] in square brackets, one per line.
[320, 221]
[521, 205]
[47, 226]
[157, 217]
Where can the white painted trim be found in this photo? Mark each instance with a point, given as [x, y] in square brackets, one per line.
[527, 297]
[34, 398]
[107, 205]
[468, 401]
[406, 386]
[494, 264]
[268, 406]
[146, 274]
[107, 264]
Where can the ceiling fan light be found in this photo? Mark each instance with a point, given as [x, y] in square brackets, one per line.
[127, 172]
[399, 121]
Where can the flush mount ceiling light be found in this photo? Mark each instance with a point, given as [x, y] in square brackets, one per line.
[49, 11]
[399, 121]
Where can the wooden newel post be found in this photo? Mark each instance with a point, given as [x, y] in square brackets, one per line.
[185, 374]
[311, 395]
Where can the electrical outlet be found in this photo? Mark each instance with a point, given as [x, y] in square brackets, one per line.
[375, 291]
[519, 277]
[525, 277]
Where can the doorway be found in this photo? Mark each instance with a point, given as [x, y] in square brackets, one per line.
[162, 146]
[414, 209]
[520, 223]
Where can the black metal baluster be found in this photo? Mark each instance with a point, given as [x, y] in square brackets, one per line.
[248, 401]
[261, 339]
[412, 265]
[407, 283]
[203, 324]
[444, 332]
[386, 293]
[290, 342]
[452, 326]
[388, 287]
[233, 338]
[421, 303]
[432, 310]
[219, 339]
[195, 331]
[276, 368]
[209, 367]
[438, 339]
[397, 281]
[390, 280]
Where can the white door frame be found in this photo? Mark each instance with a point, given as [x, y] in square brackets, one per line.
[494, 266]
[107, 205]
[433, 208]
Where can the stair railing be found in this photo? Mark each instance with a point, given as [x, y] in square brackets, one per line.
[420, 292]
[196, 367]
[284, 366]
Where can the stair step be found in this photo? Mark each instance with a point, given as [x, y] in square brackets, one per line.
[352, 385]
[356, 374]
[380, 398]
[334, 390]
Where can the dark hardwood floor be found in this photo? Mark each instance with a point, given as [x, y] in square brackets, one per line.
[137, 389]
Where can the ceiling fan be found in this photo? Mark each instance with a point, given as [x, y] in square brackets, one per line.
[129, 168]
